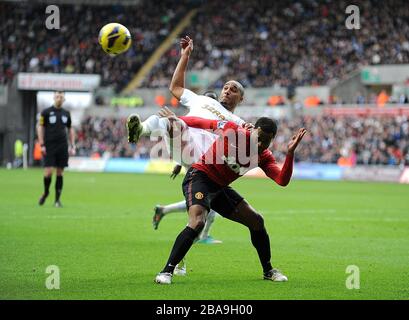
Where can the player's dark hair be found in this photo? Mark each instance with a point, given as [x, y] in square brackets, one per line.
[267, 125]
[211, 94]
[59, 91]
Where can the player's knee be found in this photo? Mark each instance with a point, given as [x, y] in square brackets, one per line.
[197, 222]
[197, 217]
[199, 225]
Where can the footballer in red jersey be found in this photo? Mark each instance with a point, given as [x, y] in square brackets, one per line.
[206, 184]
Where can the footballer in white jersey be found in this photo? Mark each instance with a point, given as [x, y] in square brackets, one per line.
[197, 140]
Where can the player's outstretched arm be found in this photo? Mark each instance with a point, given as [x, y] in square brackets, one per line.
[177, 85]
[283, 176]
[295, 140]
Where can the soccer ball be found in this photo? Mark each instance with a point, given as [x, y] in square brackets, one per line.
[114, 38]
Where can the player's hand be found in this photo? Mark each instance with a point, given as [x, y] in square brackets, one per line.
[43, 150]
[176, 171]
[248, 126]
[295, 140]
[72, 150]
[176, 125]
[186, 46]
[165, 112]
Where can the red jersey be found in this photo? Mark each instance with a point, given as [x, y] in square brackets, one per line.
[232, 154]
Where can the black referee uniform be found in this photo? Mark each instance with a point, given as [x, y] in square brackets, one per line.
[56, 123]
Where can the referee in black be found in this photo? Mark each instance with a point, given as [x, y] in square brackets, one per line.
[52, 130]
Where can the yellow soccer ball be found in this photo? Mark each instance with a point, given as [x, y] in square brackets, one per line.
[114, 38]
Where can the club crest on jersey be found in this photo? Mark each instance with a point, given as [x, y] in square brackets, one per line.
[221, 124]
[64, 119]
[199, 195]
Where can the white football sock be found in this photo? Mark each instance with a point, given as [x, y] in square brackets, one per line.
[175, 207]
[208, 224]
[154, 123]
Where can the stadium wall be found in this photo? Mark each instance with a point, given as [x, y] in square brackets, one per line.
[302, 171]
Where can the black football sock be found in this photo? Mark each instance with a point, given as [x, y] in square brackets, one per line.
[47, 182]
[58, 188]
[182, 245]
[261, 241]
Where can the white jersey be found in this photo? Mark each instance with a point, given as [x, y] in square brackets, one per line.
[207, 108]
[201, 140]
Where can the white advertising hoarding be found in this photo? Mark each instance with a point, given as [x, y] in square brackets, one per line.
[52, 81]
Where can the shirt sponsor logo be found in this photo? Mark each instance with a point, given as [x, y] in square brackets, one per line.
[214, 111]
[64, 119]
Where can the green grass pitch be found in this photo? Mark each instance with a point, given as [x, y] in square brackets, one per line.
[105, 247]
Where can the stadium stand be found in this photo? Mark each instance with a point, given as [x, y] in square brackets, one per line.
[291, 43]
[28, 47]
[259, 43]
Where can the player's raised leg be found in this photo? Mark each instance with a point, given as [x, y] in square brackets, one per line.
[136, 128]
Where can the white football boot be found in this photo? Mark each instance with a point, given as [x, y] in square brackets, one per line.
[275, 275]
[164, 278]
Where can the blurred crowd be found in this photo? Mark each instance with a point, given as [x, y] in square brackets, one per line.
[27, 46]
[347, 140]
[107, 137]
[290, 43]
[260, 43]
